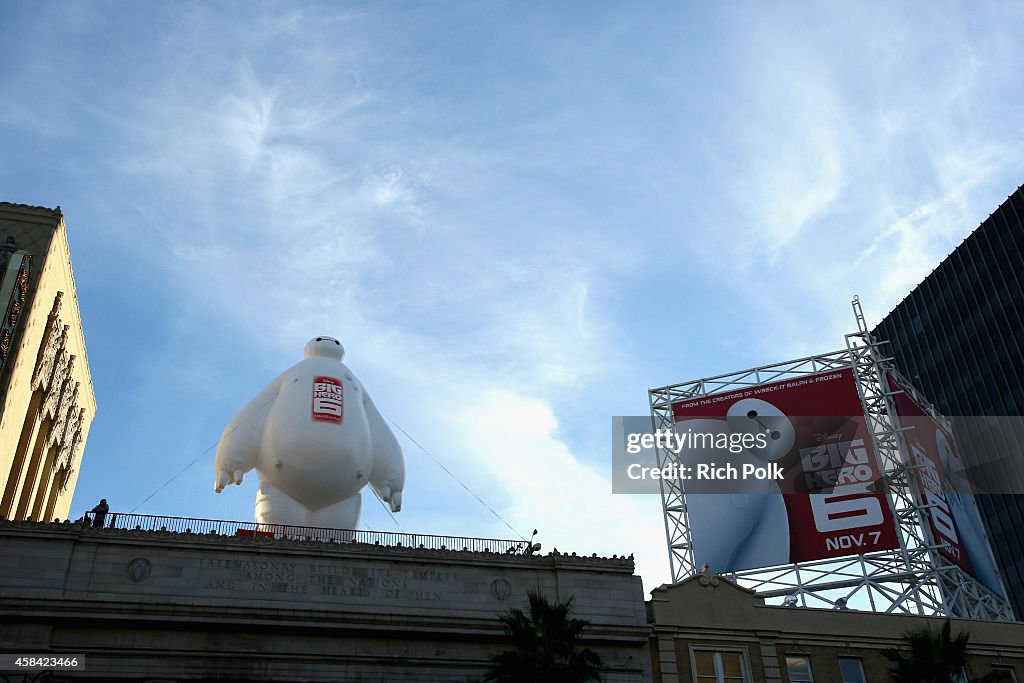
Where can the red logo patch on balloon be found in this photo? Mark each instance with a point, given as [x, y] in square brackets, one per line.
[328, 400]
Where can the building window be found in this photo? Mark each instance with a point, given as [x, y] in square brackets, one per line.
[1003, 675]
[799, 668]
[719, 666]
[852, 670]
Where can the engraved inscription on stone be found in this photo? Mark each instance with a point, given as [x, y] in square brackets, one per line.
[139, 569]
[343, 581]
[501, 589]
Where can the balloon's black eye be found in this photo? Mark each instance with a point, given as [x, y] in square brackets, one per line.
[319, 338]
[337, 342]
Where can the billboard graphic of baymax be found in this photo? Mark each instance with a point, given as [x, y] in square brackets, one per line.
[825, 499]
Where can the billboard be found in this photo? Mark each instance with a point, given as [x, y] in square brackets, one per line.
[951, 511]
[824, 497]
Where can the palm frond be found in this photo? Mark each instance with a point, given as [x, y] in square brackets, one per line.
[546, 641]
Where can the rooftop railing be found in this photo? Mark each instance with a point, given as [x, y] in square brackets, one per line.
[217, 527]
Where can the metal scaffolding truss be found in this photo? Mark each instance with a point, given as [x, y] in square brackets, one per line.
[913, 579]
[677, 527]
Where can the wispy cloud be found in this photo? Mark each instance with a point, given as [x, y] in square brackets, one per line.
[457, 323]
[866, 153]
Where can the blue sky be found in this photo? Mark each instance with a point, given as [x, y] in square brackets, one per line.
[517, 217]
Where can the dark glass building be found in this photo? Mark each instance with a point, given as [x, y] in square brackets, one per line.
[959, 337]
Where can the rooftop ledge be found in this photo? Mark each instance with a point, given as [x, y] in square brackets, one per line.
[127, 524]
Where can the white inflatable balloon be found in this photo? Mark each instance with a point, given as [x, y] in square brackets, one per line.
[316, 439]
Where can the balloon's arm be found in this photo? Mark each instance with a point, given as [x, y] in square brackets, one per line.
[239, 445]
[388, 476]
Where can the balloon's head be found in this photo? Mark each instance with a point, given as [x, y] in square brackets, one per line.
[328, 347]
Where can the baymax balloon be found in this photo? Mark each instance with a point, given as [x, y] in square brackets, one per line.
[316, 439]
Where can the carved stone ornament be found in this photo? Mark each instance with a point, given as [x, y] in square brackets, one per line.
[69, 444]
[706, 577]
[49, 346]
[65, 363]
[706, 580]
[139, 569]
[501, 589]
[49, 375]
[65, 411]
[76, 441]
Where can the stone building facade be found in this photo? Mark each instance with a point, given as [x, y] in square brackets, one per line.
[707, 628]
[163, 606]
[46, 394]
[168, 607]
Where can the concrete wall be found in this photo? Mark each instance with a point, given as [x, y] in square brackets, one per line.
[143, 605]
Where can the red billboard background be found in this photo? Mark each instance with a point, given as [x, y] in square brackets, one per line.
[835, 501]
[922, 437]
